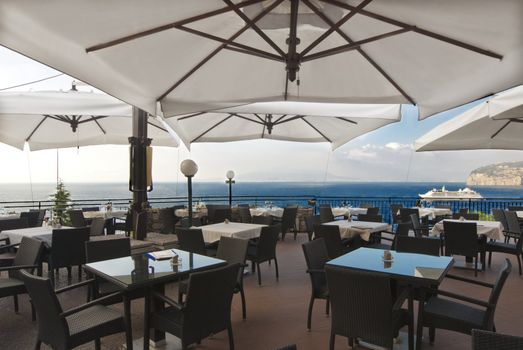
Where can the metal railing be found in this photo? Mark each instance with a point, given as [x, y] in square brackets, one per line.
[483, 206]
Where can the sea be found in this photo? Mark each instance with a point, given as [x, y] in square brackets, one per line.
[103, 191]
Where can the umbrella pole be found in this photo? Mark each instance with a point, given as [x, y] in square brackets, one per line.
[138, 174]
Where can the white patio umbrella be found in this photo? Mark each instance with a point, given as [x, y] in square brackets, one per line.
[290, 121]
[57, 119]
[193, 56]
[494, 124]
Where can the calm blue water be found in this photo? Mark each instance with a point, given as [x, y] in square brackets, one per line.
[15, 192]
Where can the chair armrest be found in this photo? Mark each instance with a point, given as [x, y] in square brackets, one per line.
[463, 298]
[468, 280]
[89, 304]
[18, 267]
[388, 239]
[315, 271]
[168, 300]
[73, 286]
[6, 239]
[7, 246]
[401, 299]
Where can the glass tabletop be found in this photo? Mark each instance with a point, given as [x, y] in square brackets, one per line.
[407, 266]
[140, 270]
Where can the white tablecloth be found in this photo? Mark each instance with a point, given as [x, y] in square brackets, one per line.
[196, 213]
[364, 228]
[519, 214]
[212, 233]
[491, 229]
[120, 214]
[9, 216]
[433, 212]
[348, 211]
[261, 211]
[15, 236]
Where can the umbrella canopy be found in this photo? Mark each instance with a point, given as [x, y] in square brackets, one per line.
[193, 56]
[290, 121]
[493, 124]
[70, 119]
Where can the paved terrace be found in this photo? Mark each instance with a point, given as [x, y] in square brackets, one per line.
[277, 311]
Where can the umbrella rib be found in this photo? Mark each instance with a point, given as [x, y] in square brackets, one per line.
[248, 119]
[260, 118]
[36, 128]
[266, 55]
[347, 120]
[316, 129]
[157, 126]
[417, 30]
[353, 46]
[219, 48]
[246, 48]
[289, 119]
[167, 26]
[98, 123]
[255, 27]
[363, 53]
[190, 116]
[212, 127]
[264, 125]
[92, 119]
[503, 127]
[280, 118]
[334, 27]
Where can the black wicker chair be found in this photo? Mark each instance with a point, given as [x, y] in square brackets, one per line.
[77, 218]
[68, 249]
[402, 229]
[466, 216]
[463, 211]
[264, 249]
[419, 229]
[13, 224]
[191, 240]
[445, 313]
[485, 340]
[316, 256]
[288, 221]
[245, 214]
[370, 217]
[68, 329]
[310, 221]
[263, 220]
[28, 257]
[405, 214]
[500, 247]
[373, 211]
[363, 307]
[206, 311]
[326, 214]
[211, 212]
[32, 217]
[418, 245]
[515, 208]
[222, 214]
[97, 227]
[395, 212]
[461, 238]
[333, 242]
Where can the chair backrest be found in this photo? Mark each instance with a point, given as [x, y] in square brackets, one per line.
[245, 214]
[13, 224]
[512, 222]
[361, 305]
[106, 249]
[184, 222]
[326, 214]
[496, 292]
[373, 211]
[52, 329]
[41, 216]
[316, 256]
[461, 238]
[234, 251]
[208, 304]
[191, 240]
[266, 248]
[515, 208]
[499, 215]
[262, 220]
[403, 228]
[84, 209]
[406, 212]
[68, 246]
[395, 212]
[221, 214]
[211, 212]
[366, 205]
[485, 340]
[288, 218]
[96, 228]
[310, 221]
[370, 217]
[32, 217]
[77, 218]
[463, 210]
[418, 245]
[30, 252]
[466, 216]
[332, 237]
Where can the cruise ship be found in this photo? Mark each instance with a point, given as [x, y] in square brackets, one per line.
[444, 194]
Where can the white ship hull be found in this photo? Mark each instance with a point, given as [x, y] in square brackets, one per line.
[445, 195]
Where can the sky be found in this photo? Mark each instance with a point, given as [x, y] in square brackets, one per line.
[383, 155]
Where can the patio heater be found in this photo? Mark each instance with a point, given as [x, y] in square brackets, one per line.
[230, 181]
[189, 168]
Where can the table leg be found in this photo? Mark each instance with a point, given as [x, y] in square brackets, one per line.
[411, 317]
[146, 326]
[419, 333]
[128, 325]
[158, 337]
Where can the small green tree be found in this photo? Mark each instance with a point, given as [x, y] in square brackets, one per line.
[61, 199]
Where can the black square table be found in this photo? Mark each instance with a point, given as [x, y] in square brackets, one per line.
[141, 272]
[416, 270]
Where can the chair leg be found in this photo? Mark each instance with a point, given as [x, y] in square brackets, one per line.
[432, 334]
[476, 266]
[489, 258]
[38, 344]
[244, 307]
[327, 306]
[97, 344]
[276, 266]
[33, 311]
[69, 272]
[519, 263]
[259, 275]
[231, 337]
[331, 341]
[309, 313]
[80, 273]
[15, 299]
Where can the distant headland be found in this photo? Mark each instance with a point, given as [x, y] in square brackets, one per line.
[501, 174]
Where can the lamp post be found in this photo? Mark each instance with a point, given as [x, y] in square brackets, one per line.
[230, 181]
[189, 168]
